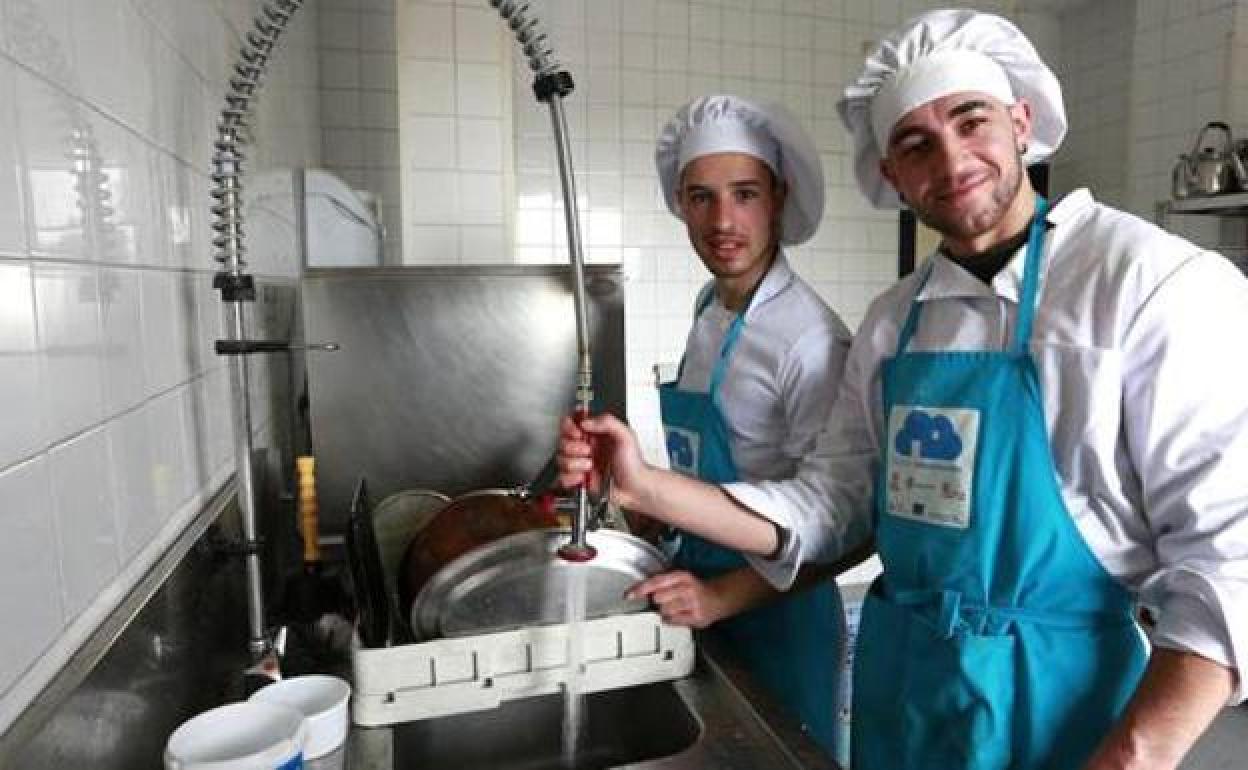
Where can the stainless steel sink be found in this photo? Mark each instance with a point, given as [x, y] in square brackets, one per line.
[714, 718]
[622, 727]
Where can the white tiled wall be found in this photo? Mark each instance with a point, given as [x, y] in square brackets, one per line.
[359, 103]
[1142, 77]
[1180, 79]
[455, 125]
[1095, 70]
[115, 420]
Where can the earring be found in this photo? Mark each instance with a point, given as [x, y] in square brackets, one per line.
[1023, 150]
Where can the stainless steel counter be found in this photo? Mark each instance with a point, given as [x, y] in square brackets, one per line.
[715, 718]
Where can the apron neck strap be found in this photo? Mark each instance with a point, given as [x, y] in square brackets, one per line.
[1033, 261]
[730, 341]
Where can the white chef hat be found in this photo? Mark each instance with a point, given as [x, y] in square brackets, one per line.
[715, 124]
[939, 53]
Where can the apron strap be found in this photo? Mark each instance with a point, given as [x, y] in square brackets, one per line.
[704, 301]
[1031, 277]
[725, 350]
[950, 612]
[1033, 261]
[725, 353]
[916, 309]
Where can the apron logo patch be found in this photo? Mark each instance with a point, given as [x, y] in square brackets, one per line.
[682, 450]
[931, 437]
[931, 464]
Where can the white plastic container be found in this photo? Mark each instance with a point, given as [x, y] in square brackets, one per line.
[323, 702]
[474, 673]
[239, 736]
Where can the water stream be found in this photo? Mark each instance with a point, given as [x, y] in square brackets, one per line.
[573, 696]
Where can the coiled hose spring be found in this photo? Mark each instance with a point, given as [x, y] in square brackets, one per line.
[529, 34]
[232, 131]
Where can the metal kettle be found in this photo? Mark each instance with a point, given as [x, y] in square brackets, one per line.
[1212, 167]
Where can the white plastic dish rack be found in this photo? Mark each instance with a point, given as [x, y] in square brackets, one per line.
[473, 673]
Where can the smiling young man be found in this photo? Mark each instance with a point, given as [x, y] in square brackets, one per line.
[1041, 429]
[761, 363]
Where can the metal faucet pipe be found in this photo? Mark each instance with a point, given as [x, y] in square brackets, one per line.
[237, 287]
[551, 85]
[576, 549]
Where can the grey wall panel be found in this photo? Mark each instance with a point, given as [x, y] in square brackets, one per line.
[449, 378]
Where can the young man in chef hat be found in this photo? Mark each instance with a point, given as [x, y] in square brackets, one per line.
[1041, 428]
[762, 361]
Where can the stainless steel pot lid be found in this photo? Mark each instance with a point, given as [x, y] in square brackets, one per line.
[520, 581]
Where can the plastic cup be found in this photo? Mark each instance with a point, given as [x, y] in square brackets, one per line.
[239, 736]
[323, 702]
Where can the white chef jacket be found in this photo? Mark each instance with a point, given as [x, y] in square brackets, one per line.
[782, 375]
[1139, 342]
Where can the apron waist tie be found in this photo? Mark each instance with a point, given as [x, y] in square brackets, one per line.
[949, 613]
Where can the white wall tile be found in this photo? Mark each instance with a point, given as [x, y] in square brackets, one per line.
[478, 36]
[340, 69]
[427, 30]
[67, 304]
[481, 198]
[428, 87]
[378, 72]
[48, 125]
[478, 90]
[164, 331]
[12, 202]
[431, 244]
[483, 245]
[32, 600]
[480, 144]
[131, 467]
[38, 35]
[430, 197]
[637, 17]
[167, 438]
[121, 339]
[85, 526]
[431, 142]
[340, 29]
[21, 429]
[377, 32]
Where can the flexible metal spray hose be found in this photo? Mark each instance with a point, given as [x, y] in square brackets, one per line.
[236, 286]
[551, 86]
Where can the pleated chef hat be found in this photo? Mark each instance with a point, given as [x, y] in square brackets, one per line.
[715, 124]
[939, 53]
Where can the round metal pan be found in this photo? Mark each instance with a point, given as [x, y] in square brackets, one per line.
[520, 581]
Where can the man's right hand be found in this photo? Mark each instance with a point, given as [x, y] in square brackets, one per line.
[593, 444]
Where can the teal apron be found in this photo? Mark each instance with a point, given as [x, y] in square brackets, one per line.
[994, 638]
[792, 645]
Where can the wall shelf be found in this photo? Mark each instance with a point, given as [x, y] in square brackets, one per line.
[1211, 204]
[1229, 204]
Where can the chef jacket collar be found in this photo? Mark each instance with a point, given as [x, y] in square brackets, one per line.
[949, 281]
[776, 280]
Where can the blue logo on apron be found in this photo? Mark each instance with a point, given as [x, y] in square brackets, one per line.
[929, 437]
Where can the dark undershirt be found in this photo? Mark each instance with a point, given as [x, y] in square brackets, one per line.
[986, 264]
